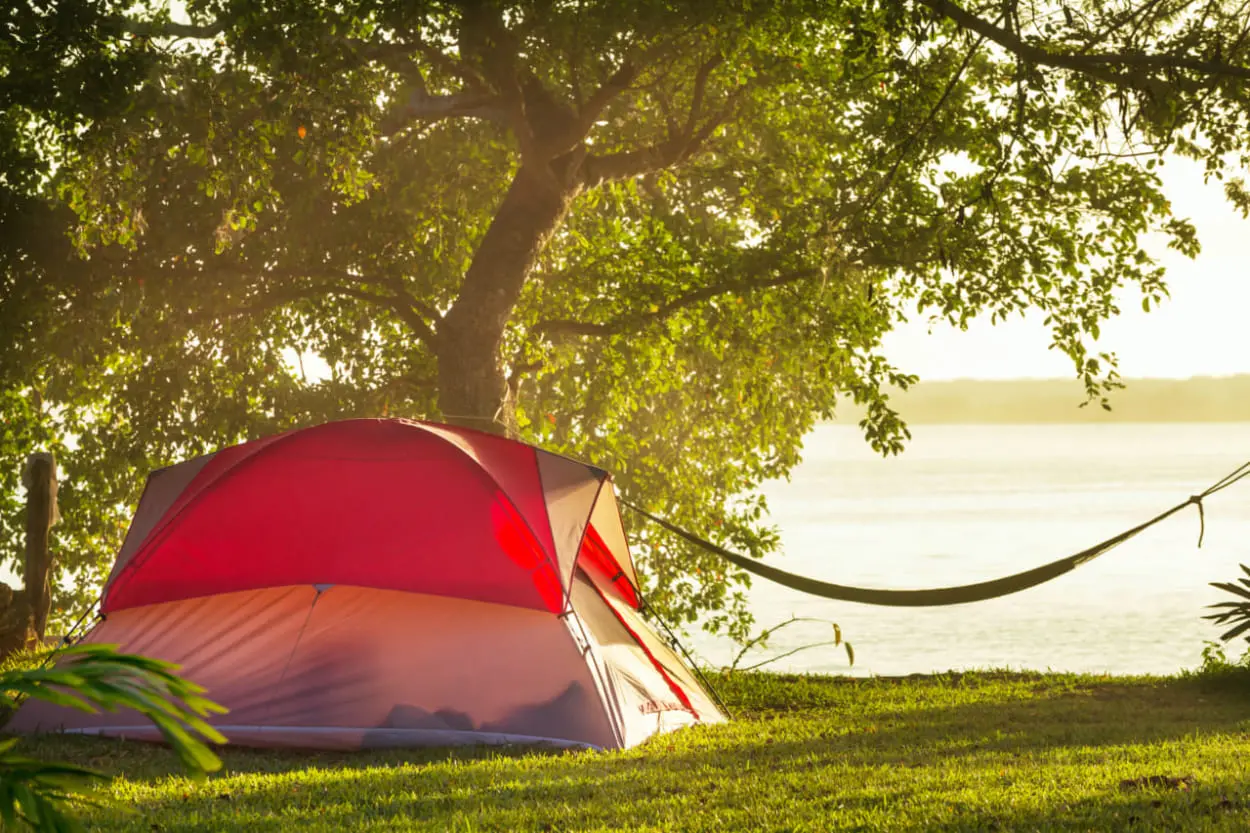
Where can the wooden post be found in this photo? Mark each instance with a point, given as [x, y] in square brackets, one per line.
[39, 478]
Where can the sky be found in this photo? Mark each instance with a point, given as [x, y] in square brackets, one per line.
[1202, 330]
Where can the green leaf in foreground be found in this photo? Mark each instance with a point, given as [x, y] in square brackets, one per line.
[95, 678]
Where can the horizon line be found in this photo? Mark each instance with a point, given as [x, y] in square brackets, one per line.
[1123, 379]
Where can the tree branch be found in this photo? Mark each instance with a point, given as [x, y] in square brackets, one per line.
[401, 292]
[700, 89]
[415, 315]
[1095, 64]
[421, 107]
[484, 38]
[519, 369]
[170, 29]
[905, 146]
[398, 56]
[442, 61]
[1129, 17]
[617, 83]
[598, 169]
[636, 321]
[279, 298]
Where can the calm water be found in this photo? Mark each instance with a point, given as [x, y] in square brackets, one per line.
[968, 502]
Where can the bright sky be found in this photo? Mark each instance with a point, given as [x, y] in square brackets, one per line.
[1204, 329]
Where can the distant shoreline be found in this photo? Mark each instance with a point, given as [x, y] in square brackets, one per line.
[1201, 399]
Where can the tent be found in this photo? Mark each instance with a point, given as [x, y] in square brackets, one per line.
[390, 583]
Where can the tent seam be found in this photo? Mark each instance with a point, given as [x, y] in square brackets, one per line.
[147, 484]
[166, 521]
[543, 609]
[491, 478]
[299, 637]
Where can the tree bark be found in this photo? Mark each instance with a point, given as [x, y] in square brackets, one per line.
[473, 388]
[41, 514]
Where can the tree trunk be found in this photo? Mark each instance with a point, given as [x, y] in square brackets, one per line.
[24, 613]
[41, 514]
[472, 385]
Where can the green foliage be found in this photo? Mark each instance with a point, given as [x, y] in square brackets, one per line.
[90, 678]
[34, 793]
[1235, 613]
[665, 237]
[26, 659]
[1215, 662]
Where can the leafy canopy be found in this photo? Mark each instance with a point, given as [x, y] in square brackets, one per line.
[664, 236]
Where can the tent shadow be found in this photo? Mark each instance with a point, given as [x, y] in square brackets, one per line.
[655, 783]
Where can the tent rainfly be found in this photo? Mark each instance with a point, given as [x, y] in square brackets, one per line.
[391, 583]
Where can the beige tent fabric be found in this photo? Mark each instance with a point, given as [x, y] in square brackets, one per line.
[397, 660]
[361, 667]
[640, 699]
[351, 668]
[339, 739]
[606, 520]
[570, 489]
[234, 643]
[708, 710]
[159, 493]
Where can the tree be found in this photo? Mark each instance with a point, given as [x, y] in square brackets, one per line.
[60, 70]
[662, 235]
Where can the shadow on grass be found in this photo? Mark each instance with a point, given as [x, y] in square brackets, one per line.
[816, 766]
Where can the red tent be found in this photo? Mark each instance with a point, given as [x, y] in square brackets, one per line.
[388, 582]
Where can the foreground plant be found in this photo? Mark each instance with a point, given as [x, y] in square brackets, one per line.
[1235, 613]
[92, 678]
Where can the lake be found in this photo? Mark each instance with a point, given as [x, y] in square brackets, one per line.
[966, 503]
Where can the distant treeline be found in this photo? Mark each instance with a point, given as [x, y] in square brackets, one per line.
[1200, 399]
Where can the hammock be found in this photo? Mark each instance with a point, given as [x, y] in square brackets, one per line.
[942, 596]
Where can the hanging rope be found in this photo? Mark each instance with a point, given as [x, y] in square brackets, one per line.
[942, 596]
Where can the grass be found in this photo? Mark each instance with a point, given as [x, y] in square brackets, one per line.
[968, 752]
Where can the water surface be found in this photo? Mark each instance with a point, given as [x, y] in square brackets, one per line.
[966, 503]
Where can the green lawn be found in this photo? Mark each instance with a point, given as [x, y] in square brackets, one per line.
[982, 752]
